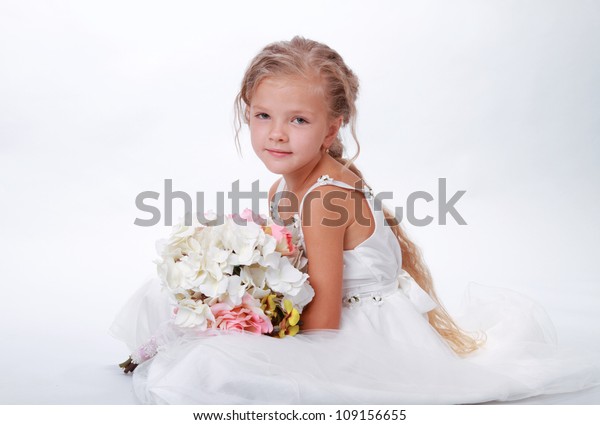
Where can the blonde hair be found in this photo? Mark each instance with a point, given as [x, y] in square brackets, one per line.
[308, 59]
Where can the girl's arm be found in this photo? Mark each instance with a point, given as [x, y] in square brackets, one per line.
[324, 230]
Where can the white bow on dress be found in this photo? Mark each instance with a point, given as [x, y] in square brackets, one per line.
[421, 299]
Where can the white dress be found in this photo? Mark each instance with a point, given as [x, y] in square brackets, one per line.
[385, 351]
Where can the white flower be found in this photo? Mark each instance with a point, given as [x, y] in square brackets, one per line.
[189, 266]
[165, 249]
[192, 313]
[215, 262]
[270, 260]
[243, 240]
[269, 246]
[171, 275]
[303, 297]
[182, 230]
[180, 235]
[283, 277]
[253, 275]
[176, 247]
[182, 274]
[234, 292]
[212, 287]
[258, 293]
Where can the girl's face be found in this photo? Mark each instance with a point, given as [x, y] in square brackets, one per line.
[289, 124]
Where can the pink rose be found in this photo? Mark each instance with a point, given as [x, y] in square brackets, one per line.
[247, 317]
[284, 239]
[248, 216]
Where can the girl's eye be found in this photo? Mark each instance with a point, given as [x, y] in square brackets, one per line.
[300, 120]
[262, 116]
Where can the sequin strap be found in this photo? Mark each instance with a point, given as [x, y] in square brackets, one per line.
[326, 180]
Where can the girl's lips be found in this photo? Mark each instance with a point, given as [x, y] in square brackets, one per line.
[278, 154]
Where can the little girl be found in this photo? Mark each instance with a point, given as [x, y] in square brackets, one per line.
[375, 331]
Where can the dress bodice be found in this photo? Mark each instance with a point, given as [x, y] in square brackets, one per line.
[371, 269]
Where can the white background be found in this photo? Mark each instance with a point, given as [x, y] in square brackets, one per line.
[102, 100]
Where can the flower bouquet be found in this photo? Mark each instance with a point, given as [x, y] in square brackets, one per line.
[246, 275]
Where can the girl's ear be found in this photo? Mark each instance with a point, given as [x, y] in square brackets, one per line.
[334, 127]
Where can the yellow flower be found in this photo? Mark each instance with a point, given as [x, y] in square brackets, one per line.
[294, 316]
[267, 304]
[289, 324]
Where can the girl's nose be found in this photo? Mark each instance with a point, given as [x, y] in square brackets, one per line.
[278, 133]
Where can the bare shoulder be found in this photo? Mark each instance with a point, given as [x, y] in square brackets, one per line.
[335, 197]
[361, 220]
[328, 206]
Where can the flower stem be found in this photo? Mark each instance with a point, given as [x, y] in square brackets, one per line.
[128, 365]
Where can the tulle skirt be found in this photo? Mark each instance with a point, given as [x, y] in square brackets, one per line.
[382, 354]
